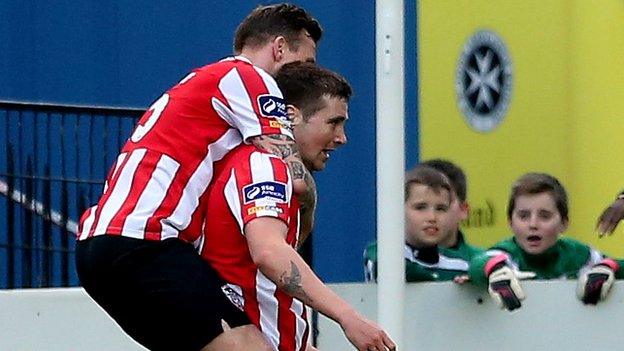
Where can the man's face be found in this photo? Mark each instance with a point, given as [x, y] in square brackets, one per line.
[322, 133]
[306, 51]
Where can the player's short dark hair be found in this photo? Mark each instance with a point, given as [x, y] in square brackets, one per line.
[266, 22]
[454, 173]
[427, 176]
[304, 84]
[537, 183]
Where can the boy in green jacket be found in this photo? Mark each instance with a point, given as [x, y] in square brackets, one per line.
[538, 213]
[428, 196]
[455, 240]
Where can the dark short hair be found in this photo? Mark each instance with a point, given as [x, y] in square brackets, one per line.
[266, 22]
[537, 183]
[427, 176]
[304, 84]
[454, 173]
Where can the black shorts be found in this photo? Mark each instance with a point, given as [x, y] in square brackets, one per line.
[160, 292]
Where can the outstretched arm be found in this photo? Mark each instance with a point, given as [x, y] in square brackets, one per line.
[283, 265]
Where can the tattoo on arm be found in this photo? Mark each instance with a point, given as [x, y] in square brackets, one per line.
[307, 201]
[291, 283]
[284, 147]
[297, 169]
[280, 145]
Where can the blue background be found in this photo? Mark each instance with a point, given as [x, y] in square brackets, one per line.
[126, 53]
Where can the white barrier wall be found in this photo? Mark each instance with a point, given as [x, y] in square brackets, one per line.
[439, 316]
[58, 320]
[445, 316]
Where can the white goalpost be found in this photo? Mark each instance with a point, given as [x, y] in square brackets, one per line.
[390, 166]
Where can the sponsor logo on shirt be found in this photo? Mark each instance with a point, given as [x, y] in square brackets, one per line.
[272, 106]
[269, 190]
[278, 124]
[257, 209]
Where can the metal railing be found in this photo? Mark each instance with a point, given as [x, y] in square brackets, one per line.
[53, 162]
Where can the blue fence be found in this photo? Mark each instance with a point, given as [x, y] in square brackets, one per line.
[52, 167]
[53, 162]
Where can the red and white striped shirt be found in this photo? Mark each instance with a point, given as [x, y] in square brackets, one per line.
[249, 184]
[154, 189]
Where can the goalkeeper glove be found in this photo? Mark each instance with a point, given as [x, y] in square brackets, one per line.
[504, 284]
[595, 284]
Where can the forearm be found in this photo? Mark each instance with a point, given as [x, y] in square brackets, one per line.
[282, 265]
[476, 271]
[284, 147]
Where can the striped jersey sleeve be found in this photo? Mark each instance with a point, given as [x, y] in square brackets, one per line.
[162, 174]
[252, 102]
[249, 184]
[259, 186]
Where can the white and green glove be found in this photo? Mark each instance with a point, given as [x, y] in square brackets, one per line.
[504, 283]
[595, 284]
[504, 287]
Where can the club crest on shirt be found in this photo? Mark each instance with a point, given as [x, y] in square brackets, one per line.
[272, 106]
[268, 190]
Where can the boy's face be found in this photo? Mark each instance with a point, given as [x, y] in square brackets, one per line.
[322, 133]
[536, 222]
[425, 213]
[458, 211]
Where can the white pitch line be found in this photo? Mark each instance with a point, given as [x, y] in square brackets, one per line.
[38, 208]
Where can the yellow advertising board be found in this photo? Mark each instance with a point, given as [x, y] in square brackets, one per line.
[509, 87]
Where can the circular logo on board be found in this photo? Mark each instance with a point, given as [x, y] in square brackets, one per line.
[484, 81]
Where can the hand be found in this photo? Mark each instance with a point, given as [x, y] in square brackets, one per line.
[504, 286]
[610, 217]
[461, 279]
[594, 285]
[364, 334]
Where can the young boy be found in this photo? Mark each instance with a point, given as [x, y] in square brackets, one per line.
[459, 209]
[538, 213]
[428, 197]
